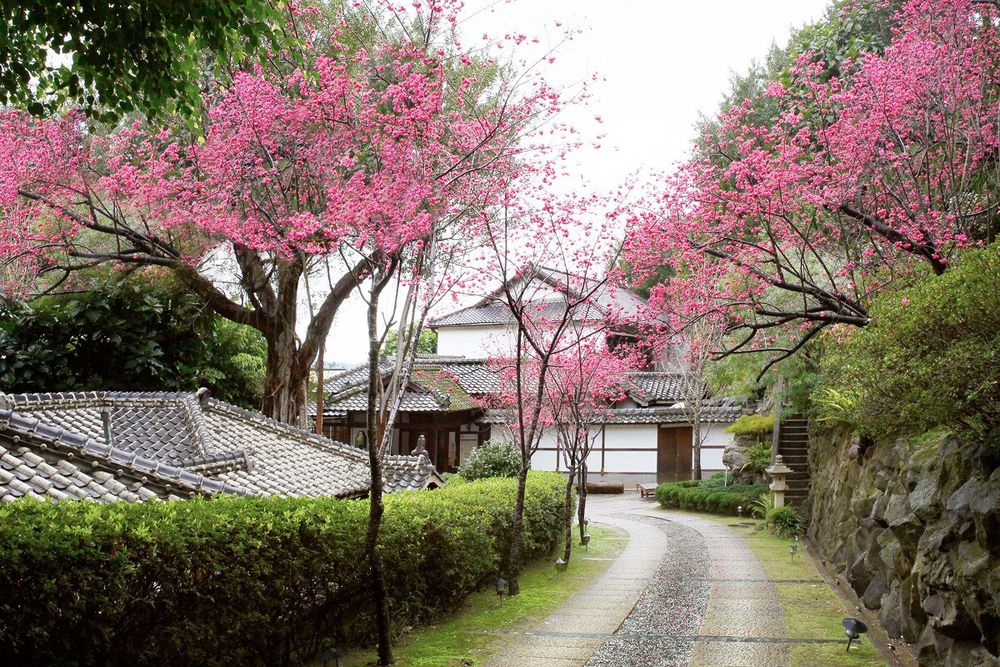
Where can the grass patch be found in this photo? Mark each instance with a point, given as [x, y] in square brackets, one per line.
[813, 610]
[468, 637]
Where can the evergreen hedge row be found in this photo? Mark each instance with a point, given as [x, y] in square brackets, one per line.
[245, 580]
[694, 495]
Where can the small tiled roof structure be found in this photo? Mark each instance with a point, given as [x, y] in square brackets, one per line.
[656, 387]
[437, 384]
[166, 445]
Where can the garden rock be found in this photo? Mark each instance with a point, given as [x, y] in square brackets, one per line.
[912, 526]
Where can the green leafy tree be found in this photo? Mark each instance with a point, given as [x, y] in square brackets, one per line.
[128, 335]
[427, 342]
[121, 56]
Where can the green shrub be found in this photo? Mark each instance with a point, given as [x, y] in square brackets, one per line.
[759, 425]
[784, 521]
[702, 496]
[929, 358]
[493, 459]
[763, 504]
[234, 581]
[758, 459]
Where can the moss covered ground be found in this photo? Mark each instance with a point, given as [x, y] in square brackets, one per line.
[471, 635]
[813, 610]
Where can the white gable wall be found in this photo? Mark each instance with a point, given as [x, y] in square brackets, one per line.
[475, 342]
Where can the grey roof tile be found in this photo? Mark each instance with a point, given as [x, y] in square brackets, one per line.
[176, 445]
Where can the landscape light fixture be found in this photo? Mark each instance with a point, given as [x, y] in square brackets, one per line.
[502, 587]
[793, 549]
[560, 564]
[331, 657]
[853, 628]
[739, 511]
[585, 539]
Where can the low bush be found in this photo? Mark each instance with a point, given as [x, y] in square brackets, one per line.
[784, 521]
[930, 357]
[705, 496]
[758, 425]
[245, 581]
[492, 459]
[758, 459]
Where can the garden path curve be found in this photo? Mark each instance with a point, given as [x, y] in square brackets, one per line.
[684, 591]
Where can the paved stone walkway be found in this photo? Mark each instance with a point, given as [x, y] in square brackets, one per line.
[685, 591]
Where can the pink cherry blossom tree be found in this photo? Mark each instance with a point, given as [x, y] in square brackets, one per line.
[553, 257]
[783, 230]
[585, 380]
[339, 166]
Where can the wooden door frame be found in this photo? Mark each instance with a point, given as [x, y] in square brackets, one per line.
[673, 458]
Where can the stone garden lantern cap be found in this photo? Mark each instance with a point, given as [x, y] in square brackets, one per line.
[778, 467]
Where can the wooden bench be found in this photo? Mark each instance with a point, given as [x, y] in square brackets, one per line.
[646, 490]
[605, 487]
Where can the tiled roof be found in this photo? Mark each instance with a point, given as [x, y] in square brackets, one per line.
[606, 300]
[656, 387]
[43, 460]
[157, 425]
[196, 444]
[437, 384]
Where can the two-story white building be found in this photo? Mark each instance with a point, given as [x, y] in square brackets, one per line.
[646, 438]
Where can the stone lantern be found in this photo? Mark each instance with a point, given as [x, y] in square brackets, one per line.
[778, 471]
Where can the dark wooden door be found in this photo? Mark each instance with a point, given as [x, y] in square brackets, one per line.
[673, 454]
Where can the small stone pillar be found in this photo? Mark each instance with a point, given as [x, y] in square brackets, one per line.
[778, 471]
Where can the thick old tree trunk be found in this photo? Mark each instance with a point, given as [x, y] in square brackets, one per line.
[285, 380]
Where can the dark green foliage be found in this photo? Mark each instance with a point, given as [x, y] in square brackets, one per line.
[758, 458]
[930, 357]
[784, 521]
[493, 459]
[132, 335]
[245, 581]
[132, 54]
[707, 496]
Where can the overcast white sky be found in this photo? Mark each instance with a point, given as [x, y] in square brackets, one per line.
[660, 63]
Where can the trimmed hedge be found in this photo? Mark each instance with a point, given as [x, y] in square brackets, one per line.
[695, 495]
[245, 580]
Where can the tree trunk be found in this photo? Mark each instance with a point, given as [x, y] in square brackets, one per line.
[285, 379]
[517, 532]
[568, 514]
[377, 508]
[581, 505]
[696, 454]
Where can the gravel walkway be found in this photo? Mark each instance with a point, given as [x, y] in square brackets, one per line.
[661, 629]
[685, 591]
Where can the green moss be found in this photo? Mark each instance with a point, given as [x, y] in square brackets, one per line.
[752, 425]
[813, 610]
[469, 637]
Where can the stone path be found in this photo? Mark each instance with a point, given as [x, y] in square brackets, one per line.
[685, 591]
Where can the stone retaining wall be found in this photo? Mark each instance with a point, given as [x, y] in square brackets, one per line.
[914, 527]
